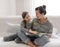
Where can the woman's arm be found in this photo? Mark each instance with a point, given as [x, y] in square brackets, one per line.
[50, 30]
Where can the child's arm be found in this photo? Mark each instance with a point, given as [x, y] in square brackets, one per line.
[33, 32]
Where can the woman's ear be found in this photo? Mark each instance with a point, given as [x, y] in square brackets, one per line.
[42, 14]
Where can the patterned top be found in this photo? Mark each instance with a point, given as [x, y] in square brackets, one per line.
[42, 28]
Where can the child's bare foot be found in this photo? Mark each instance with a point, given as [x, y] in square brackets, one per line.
[38, 46]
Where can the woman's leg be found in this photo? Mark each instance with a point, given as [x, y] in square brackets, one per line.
[41, 41]
[25, 39]
[32, 38]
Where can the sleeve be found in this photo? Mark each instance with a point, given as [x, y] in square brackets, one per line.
[32, 24]
[23, 27]
[51, 28]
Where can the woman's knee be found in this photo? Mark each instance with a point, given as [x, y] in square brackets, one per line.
[41, 40]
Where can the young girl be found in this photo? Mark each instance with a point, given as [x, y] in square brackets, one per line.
[24, 34]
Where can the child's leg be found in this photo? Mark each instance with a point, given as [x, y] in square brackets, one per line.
[25, 38]
[18, 40]
[11, 37]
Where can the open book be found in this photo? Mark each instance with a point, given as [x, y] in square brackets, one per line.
[40, 34]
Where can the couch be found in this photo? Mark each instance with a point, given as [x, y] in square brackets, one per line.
[11, 25]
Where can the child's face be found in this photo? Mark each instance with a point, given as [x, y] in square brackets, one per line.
[27, 18]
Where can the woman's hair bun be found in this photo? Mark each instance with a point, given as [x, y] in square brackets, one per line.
[44, 6]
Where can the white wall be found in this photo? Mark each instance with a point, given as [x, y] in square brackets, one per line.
[27, 5]
[23, 5]
[16, 7]
[53, 8]
[19, 7]
[7, 7]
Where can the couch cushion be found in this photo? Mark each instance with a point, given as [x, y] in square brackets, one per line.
[12, 28]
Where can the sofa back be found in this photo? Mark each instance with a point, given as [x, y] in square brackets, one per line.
[17, 20]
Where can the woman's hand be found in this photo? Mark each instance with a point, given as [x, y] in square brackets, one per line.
[33, 32]
[49, 35]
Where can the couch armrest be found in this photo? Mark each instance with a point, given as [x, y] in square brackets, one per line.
[54, 34]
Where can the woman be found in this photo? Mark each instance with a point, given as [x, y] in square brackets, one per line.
[42, 26]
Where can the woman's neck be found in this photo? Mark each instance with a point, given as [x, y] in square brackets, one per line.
[42, 20]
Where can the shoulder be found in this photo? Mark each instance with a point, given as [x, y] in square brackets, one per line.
[49, 23]
[34, 20]
[22, 22]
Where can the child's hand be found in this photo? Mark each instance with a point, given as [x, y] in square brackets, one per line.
[33, 32]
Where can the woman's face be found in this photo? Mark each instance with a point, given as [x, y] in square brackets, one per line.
[39, 15]
[27, 18]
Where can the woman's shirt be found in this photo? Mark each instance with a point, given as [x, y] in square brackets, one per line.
[42, 28]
